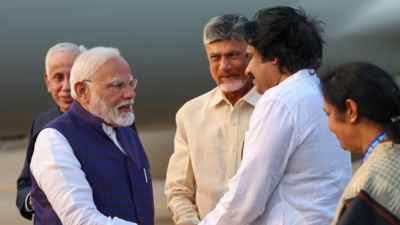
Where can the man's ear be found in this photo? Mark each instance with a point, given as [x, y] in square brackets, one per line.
[82, 91]
[275, 61]
[47, 81]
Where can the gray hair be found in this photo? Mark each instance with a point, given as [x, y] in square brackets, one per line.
[62, 47]
[223, 26]
[87, 63]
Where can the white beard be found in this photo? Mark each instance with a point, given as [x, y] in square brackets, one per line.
[232, 86]
[110, 114]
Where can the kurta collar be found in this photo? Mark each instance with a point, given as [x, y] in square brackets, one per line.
[251, 97]
[108, 130]
[218, 97]
[78, 110]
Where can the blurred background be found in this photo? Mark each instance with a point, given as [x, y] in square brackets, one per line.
[162, 42]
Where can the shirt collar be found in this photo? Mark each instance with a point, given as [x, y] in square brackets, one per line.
[251, 97]
[218, 97]
[304, 73]
[110, 131]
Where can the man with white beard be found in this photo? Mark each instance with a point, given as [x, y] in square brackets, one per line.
[58, 65]
[211, 127]
[87, 166]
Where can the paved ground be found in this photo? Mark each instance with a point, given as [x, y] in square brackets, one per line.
[12, 154]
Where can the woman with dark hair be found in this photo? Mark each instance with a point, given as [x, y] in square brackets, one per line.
[363, 105]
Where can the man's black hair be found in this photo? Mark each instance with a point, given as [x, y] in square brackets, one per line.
[287, 34]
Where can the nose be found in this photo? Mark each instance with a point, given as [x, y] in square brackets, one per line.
[248, 71]
[129, 93]
[225, 65]
[66, 85]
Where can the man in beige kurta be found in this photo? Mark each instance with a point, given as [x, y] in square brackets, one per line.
[211, 127]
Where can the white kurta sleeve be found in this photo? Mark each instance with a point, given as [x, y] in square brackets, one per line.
[269, 143]
[58, 173]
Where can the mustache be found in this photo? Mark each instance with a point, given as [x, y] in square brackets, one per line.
[251, 77]
[130, 102]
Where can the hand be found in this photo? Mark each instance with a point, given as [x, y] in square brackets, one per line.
[30, 205]
[185, 223]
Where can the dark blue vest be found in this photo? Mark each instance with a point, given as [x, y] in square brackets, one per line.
[118, 181]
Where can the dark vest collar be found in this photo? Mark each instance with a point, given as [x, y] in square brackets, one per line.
[86, 116]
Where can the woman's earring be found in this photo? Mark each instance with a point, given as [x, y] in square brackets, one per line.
[352, 120]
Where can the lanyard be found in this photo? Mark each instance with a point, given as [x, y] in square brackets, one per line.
[371, 147]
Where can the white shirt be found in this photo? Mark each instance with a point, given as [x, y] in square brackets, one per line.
[293, 169]
[58, 173]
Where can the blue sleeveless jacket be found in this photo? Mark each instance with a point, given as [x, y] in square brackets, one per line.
[118, 182]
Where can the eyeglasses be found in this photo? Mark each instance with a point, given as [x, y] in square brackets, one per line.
[118, 85]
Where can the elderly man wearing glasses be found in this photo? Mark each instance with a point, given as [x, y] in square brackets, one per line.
[87, 166]
[59, 61]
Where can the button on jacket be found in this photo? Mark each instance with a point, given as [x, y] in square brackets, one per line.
[208, 151]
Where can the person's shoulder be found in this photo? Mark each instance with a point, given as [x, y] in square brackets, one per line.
[385, 156]
[298, 91]
[49, 115]
[380, 169]
[45, 118]
[199, 102]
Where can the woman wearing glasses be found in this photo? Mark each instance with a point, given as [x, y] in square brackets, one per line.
[363, 105]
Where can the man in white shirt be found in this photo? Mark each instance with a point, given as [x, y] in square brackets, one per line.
[293, 169]
[210, 128]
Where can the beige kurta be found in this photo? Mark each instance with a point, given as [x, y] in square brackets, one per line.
[208, 151]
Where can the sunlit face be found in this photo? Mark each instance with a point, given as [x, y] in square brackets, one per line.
[114, 108]
[57, 78]
[345, 132]
[228, 63]
[266, 74]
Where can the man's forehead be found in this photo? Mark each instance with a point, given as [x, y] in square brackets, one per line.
[225, 46]
[61, 62]
[118, 70]
[63, 58]
[120, 79]
[250, 49]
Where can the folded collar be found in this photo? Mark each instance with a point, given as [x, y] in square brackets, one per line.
[251, 97]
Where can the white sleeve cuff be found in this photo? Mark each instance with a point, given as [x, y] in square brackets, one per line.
[26, 203]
